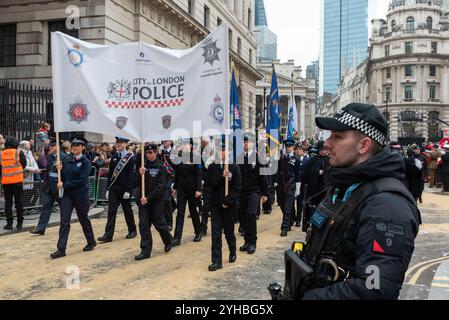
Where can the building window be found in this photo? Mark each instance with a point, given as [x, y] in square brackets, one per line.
[239, 46]
[219, 22]
[393, 24]
[434, 47]
[432, 92]
[410, 26]
[206, 16]
[388, 73]
[249, 19]
[230, 39]
[432, 71]
[429, 23]
[408, 71]
[408, 47]
[387, 50]
[58, 25]
[190, 6]
[8, 45]
[408, 92]
[250, 56]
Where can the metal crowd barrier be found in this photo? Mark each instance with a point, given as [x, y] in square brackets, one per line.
[102, 185]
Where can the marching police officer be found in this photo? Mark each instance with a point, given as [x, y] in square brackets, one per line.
[75, 172]
[151, 206]
[289, 183]
[187, 188]
[169, 205]
[254, 185]
[368, 219]
[120, 185]
[221, 206]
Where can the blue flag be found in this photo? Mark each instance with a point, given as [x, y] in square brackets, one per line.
[274, 122]
[236, 120]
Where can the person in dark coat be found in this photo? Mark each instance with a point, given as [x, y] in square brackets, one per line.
[413, 169]
[367, 223]
[221, 206]
[444, 168]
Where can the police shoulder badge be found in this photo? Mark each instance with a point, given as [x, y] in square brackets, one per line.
[78, 111]
[217, 110]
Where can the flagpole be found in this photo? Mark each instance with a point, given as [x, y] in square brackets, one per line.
[58, 159]
[142, 166]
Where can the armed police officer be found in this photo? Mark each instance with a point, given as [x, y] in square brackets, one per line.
[254, 186]
[366, 225]
[76, 168]
[289, 182]
[151, 206]
[120, 184]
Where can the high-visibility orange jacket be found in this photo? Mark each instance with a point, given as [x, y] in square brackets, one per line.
[12, 169]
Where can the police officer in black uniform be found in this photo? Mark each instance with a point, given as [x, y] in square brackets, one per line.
[151, 206]
[361, 236]
[187, 188]
[169, 204]
[289, 182]
[254, 185]
[75, 173]
[120, 184]
[221, 206]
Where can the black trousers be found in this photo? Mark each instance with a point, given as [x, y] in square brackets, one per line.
[289, 201]
[205, 212]
[116, 199]
[222, 219]
[152, 213]
[169, 203]
[184, 197]
[299, 207]
[13, 191]
[445, 178]
[79, 201]
[249, 206]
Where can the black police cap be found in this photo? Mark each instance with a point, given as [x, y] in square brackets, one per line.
[151, 147]
[364, 118]
[119, 139]
[79, 140]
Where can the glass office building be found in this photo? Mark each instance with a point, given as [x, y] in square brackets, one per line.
[267, 41]
[345, 39]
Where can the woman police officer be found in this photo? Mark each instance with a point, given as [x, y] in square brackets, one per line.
[75, 172]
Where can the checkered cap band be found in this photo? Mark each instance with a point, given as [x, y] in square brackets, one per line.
[362, 126]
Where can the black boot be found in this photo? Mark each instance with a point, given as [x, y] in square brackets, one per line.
[104, 239]
[244, 247]
[131, 235]
[90, 247]
[197, 238]
[232, 257]
[8, 227]
[142, 256]
[58, 254]
[176, 242]
[215, 266]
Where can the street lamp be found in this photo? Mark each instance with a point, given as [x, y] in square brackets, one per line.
[387, 113]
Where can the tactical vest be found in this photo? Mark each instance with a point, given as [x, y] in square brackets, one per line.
[325, 239]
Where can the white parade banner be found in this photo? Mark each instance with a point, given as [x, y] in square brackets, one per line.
[139, 91]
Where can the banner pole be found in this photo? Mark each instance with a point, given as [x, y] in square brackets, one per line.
[58, 159]
[142, 166]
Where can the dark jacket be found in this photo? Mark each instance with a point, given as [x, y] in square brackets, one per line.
[358, 240]
[155, 180]
[413, 175]
[444, 168]
[124, 179]
[252, 179]
[188, 177]
[215, 186]
[75, 173]
[51, 179]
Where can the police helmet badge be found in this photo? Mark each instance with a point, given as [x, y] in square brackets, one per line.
[166, 122]
[217, 112]
[121, 122]
[78, 111]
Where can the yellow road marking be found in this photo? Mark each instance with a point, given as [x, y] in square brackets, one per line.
[416, 266]
[421, 270]
[441, 278]
[440, 285]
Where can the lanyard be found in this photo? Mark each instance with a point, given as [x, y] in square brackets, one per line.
[347, 193]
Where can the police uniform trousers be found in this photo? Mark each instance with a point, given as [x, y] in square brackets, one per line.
[48, 199]
[206, 211]
[152, 213]
[249, 206]
[184, 197]
[168, 204]
[116, 193]
[287, 208]
[13, 191]
[222, 220]
[80, 201]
